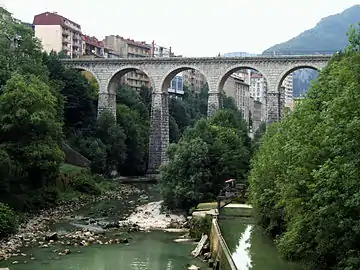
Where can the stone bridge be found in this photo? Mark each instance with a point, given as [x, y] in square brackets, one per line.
[216, 71]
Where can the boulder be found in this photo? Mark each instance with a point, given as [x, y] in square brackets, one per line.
[52, 236]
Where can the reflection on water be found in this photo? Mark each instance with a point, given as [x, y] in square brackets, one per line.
[250, 248]
[147, 251]
[241, 256]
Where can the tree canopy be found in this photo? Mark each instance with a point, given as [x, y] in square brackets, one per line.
[211, 152]
[304, 178]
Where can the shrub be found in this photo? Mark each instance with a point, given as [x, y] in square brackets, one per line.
[8, 220]
[85, 183]
[199, 226]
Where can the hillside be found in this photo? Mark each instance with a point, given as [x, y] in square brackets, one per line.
[329, 35]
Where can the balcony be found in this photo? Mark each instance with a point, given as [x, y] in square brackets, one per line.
[76, 37]
[66, 40]
[72, 26]
[77, 44]
[65, 32]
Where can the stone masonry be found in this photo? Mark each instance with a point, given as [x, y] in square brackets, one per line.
[216, 71]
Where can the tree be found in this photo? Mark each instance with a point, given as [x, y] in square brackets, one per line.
[30, 133]
[19, 50]
[206, 155]
[137, 134]
[113, 137]
[80, 95]
[304, 178]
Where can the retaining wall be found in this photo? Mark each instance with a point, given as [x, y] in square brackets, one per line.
[219, 250]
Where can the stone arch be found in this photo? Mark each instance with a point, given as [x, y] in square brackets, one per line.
[294, 67]
[81, 68]
[232, 69]
[114, 78]
[166, 79]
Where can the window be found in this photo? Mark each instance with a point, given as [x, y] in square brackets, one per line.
[179, 85]
[173, 84]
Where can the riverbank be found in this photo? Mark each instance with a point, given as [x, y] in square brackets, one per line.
[108, 231]
[36, 230]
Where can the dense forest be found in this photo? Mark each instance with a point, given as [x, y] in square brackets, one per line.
[304, 179]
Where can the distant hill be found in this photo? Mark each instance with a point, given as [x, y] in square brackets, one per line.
[328, 36]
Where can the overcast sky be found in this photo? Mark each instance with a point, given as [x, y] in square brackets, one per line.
[190, 27]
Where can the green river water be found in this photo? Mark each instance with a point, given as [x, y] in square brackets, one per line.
[250, 248]
[145, 250]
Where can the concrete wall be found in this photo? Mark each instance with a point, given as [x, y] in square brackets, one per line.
[50, 37]
[219, 250]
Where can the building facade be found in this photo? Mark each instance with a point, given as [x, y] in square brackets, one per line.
[58, 34]
[239, 90]
[129, 48]
[257, 115]
[160, 51]
[91, 46]
[176, 88]
[194, 80]
[94, 48]
[288, 88]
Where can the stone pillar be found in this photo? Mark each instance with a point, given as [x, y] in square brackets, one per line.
[281, 103]
[273, 107]
[213, 103]
[107, 101]
[159, 131]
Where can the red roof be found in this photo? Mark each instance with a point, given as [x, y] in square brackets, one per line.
[50, 18]
[92, 41]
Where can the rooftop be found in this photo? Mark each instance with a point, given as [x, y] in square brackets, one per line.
[52, 18]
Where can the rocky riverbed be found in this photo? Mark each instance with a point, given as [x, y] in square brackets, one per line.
[39, 231]
[150, 217]
[35, 230]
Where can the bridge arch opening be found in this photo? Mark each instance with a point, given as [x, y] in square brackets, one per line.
[186, 87]
[246, 88]
[190, 78]
[90, 76]
[130, 77]
[294, 83]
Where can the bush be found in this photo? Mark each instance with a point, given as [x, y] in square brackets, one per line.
[9, 220]
[85, 183]
[199, 226]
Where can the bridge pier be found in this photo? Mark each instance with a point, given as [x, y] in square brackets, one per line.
[273, 107]
[107, 101]
[159, 131]
[213, 103]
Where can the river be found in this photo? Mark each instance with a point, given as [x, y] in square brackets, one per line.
[154, 250]
[250, 248]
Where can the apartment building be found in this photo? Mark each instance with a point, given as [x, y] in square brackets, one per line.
[239, 90]
[58, 33]
[94, 48]
[288, 85]
[91, 46]
[160, 51]
[176, 88]
[257, 115]
[194, 80]
[129, 48]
